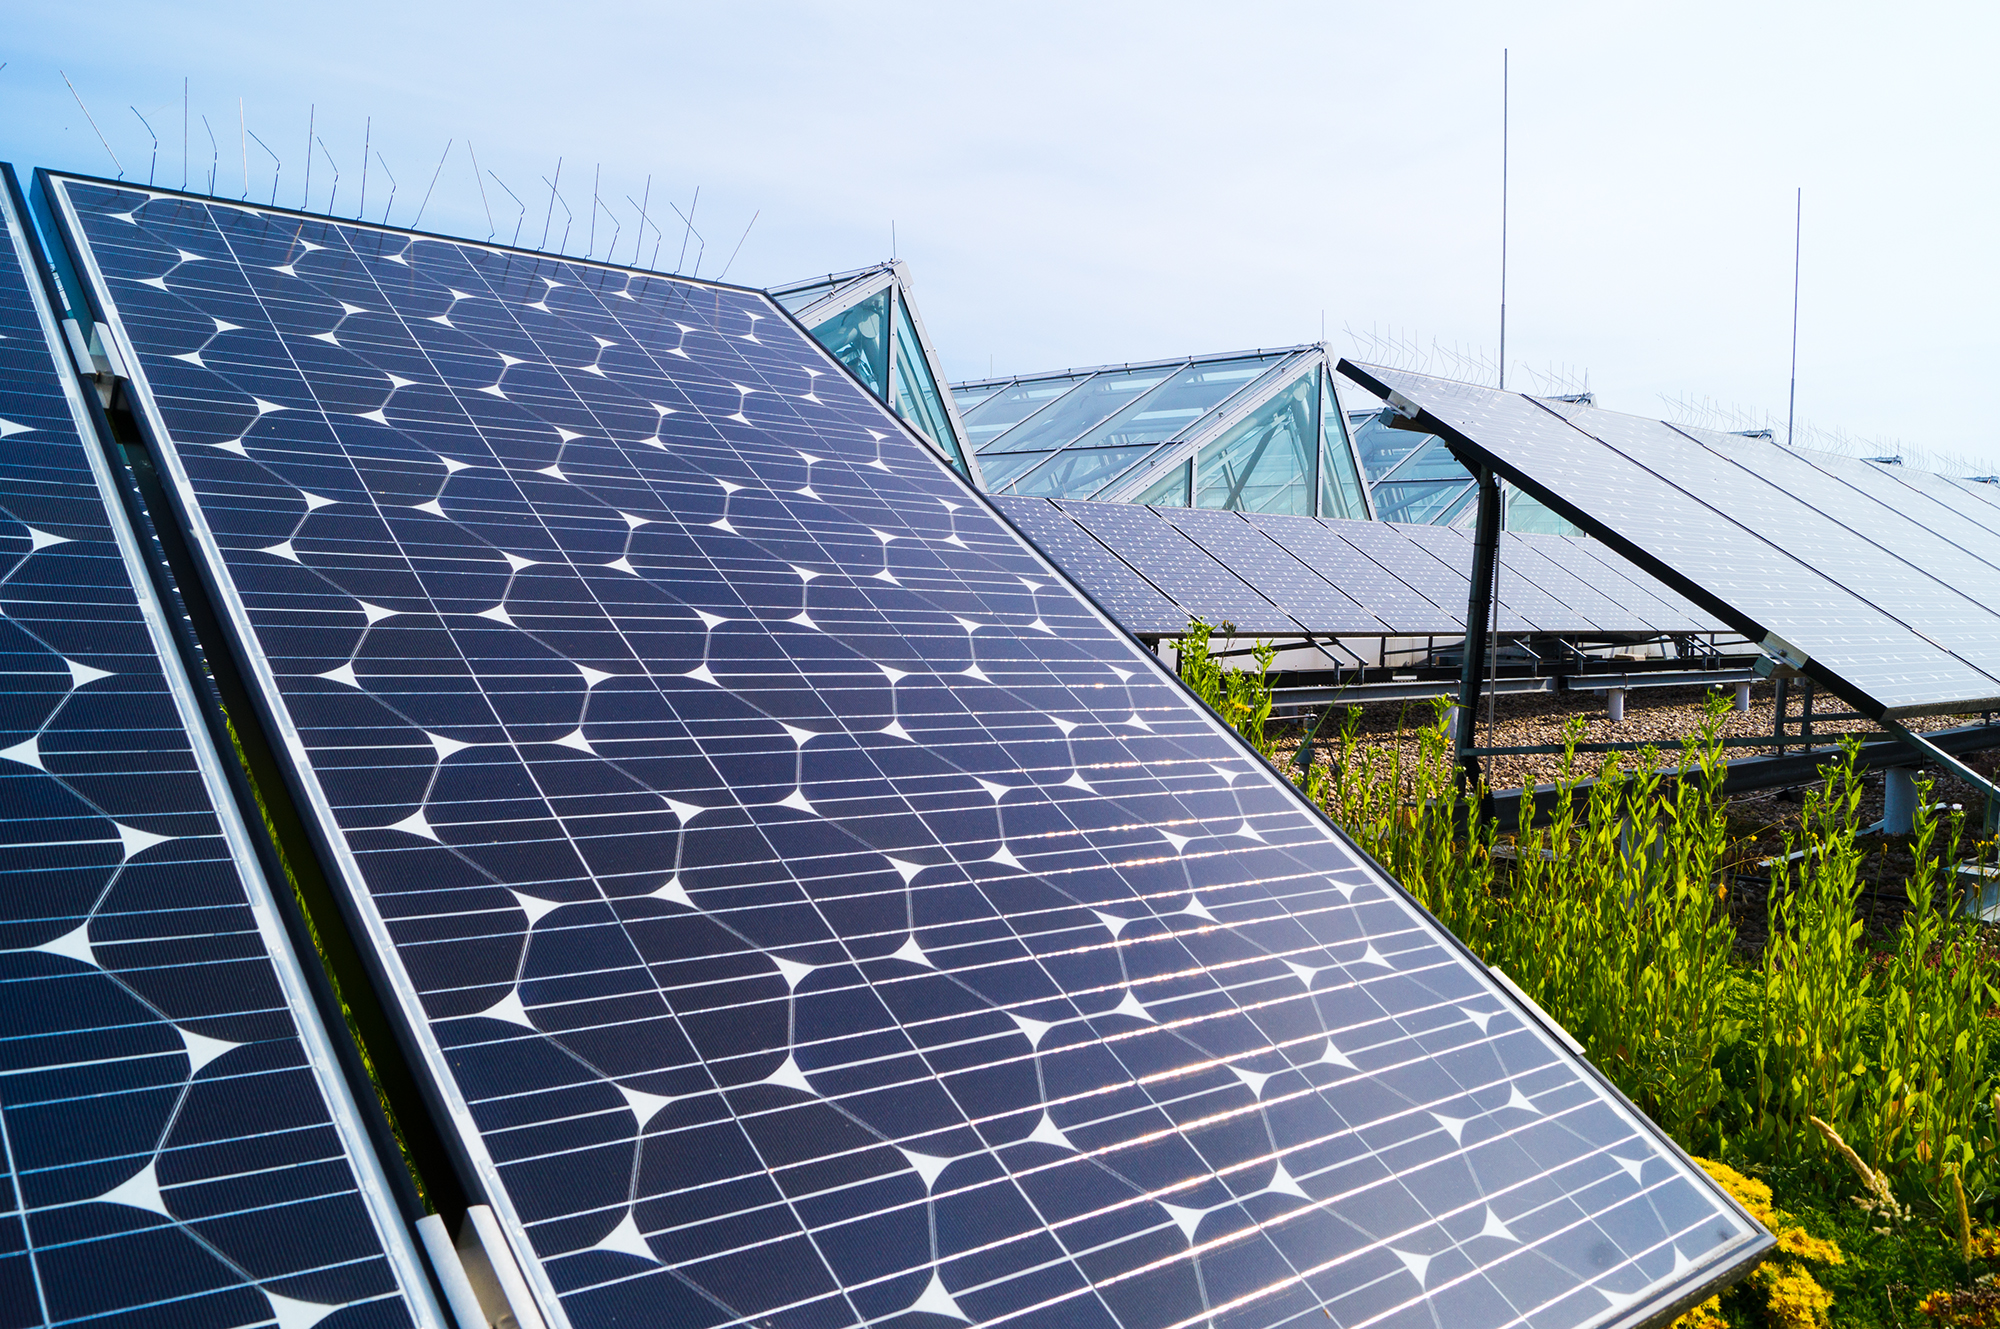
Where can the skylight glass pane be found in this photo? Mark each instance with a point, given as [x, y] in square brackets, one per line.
[1001, 468]
[1077, 413]
[1171, 490]
[915, 395]
[1464, 513]
[1433, 461]
[859, 340]
[1078, 472]
[967, 398]
[795, 300]
[1381, 447]
[1264, 463]
[1527, 513]
[1340, 485]
[1421, 501]
[1013, 404]
[1175, 405]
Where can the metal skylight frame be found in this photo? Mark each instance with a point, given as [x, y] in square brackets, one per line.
[845, 290]
[1259, 386]
[1288, 364]
[1239, 406]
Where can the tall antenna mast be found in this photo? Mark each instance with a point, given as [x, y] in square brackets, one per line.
[1798, 231]
[1503, 216]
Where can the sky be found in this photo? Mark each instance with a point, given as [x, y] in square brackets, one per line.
[1079, 184]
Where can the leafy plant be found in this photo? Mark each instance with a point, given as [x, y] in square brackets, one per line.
[1242, 698]
[1817, 984]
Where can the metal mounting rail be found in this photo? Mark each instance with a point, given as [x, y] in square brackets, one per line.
[1284, 698]
[1751, 773]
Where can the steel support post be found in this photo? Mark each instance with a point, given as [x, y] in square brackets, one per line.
[1478, 613]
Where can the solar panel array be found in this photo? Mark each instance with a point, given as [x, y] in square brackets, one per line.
[175, 1147]
[1156, 568]
[811, 909]
[1844, 561]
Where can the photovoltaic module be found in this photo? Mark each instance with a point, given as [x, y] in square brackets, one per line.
[813, 911]
[1875, 597]
[1152, 569]
[176, 1146]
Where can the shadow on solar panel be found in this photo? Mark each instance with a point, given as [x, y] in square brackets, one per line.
[810, 909]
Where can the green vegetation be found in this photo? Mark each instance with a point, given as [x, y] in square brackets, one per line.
[327, 966]
[1858, 1086]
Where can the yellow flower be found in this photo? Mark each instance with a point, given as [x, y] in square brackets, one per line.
[1708, 1315]
[1796, 1241]
[1794, 1298]
[1752, 1194]
[1968, 1308]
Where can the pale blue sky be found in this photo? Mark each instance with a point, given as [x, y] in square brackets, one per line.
[1076, 184]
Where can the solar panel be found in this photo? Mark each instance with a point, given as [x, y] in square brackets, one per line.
[1124, 594]
[1876, 552]
[1985, 492]
[1453, 548]
[177, 1147]
[1391, 549]
[1523, 560]
[1765, 587]
[1317, 542]
[1180, 567]
[1958, 510]
[1266, 564]
[1887, 526]
[1324, 585]
[1921, 502]
[812, 911]
[1596, 566]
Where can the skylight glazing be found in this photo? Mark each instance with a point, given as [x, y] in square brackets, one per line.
[1227, 430]
[867, 319]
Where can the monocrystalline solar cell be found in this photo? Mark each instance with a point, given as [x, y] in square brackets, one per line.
[1890, 531]
[1316, 542]
[1602, 464]
[1119, 591]
[812, 911]
[1266, 564]
[1921, 501]
[1180, 567]
[177, 1147]
[1453, 548]
[1617, 579]
[1523, 559]
[1387, 545]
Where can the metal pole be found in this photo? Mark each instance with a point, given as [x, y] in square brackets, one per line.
[1478, 608]
[1503, 222]
[1798, 232]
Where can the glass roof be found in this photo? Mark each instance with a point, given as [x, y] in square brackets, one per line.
[875, 331]
[1009, 404]
[1071, 433]
[798, 295]
[1068, 418]
[914, 393]
[1266, 461]
[858, 339]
